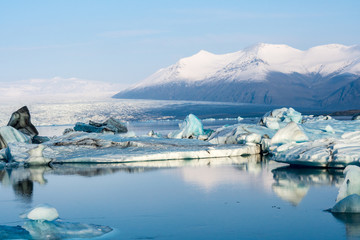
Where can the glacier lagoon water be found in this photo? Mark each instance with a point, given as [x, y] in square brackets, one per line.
[244, 198]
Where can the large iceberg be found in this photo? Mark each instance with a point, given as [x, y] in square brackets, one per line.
[99, 147]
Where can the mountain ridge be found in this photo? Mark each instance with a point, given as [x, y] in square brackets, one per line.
[315, 74]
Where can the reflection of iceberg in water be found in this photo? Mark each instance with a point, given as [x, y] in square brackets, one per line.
[292, 184]
[22, 180]
[352, 223]
[250, 171]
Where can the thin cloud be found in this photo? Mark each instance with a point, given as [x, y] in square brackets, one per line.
[130, 33]
[57, 89]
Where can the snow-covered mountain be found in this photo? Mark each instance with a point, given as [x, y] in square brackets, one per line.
[322, 76]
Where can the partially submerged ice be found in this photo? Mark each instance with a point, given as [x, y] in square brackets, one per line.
[350, 204]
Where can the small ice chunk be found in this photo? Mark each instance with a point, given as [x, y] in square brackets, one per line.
[190, 127]
[239, 119]
[350, 204]
[290, 133]
[351, 184]
[42, 212]
[272, 124]
[329, 129]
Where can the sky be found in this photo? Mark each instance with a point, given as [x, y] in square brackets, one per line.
[120, 42]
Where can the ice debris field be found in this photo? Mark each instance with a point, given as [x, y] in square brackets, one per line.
[283, 134]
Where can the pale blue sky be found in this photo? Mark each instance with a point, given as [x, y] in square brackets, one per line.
[126, 41]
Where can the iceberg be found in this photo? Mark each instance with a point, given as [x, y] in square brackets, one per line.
[277, 117]
[324, 152]
[191, 127]
[106, 148]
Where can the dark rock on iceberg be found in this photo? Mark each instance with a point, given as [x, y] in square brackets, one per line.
[110, 125]
[83, 127]
[20, 120]
[356, 117]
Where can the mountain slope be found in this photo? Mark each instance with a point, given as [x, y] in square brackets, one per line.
[264, 74]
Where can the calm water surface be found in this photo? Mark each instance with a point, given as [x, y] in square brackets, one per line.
[208, 199]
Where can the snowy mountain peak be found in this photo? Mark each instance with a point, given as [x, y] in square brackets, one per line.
[254, 63]
[277, 74]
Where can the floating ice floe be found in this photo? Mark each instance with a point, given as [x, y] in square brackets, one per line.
[98, 147]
